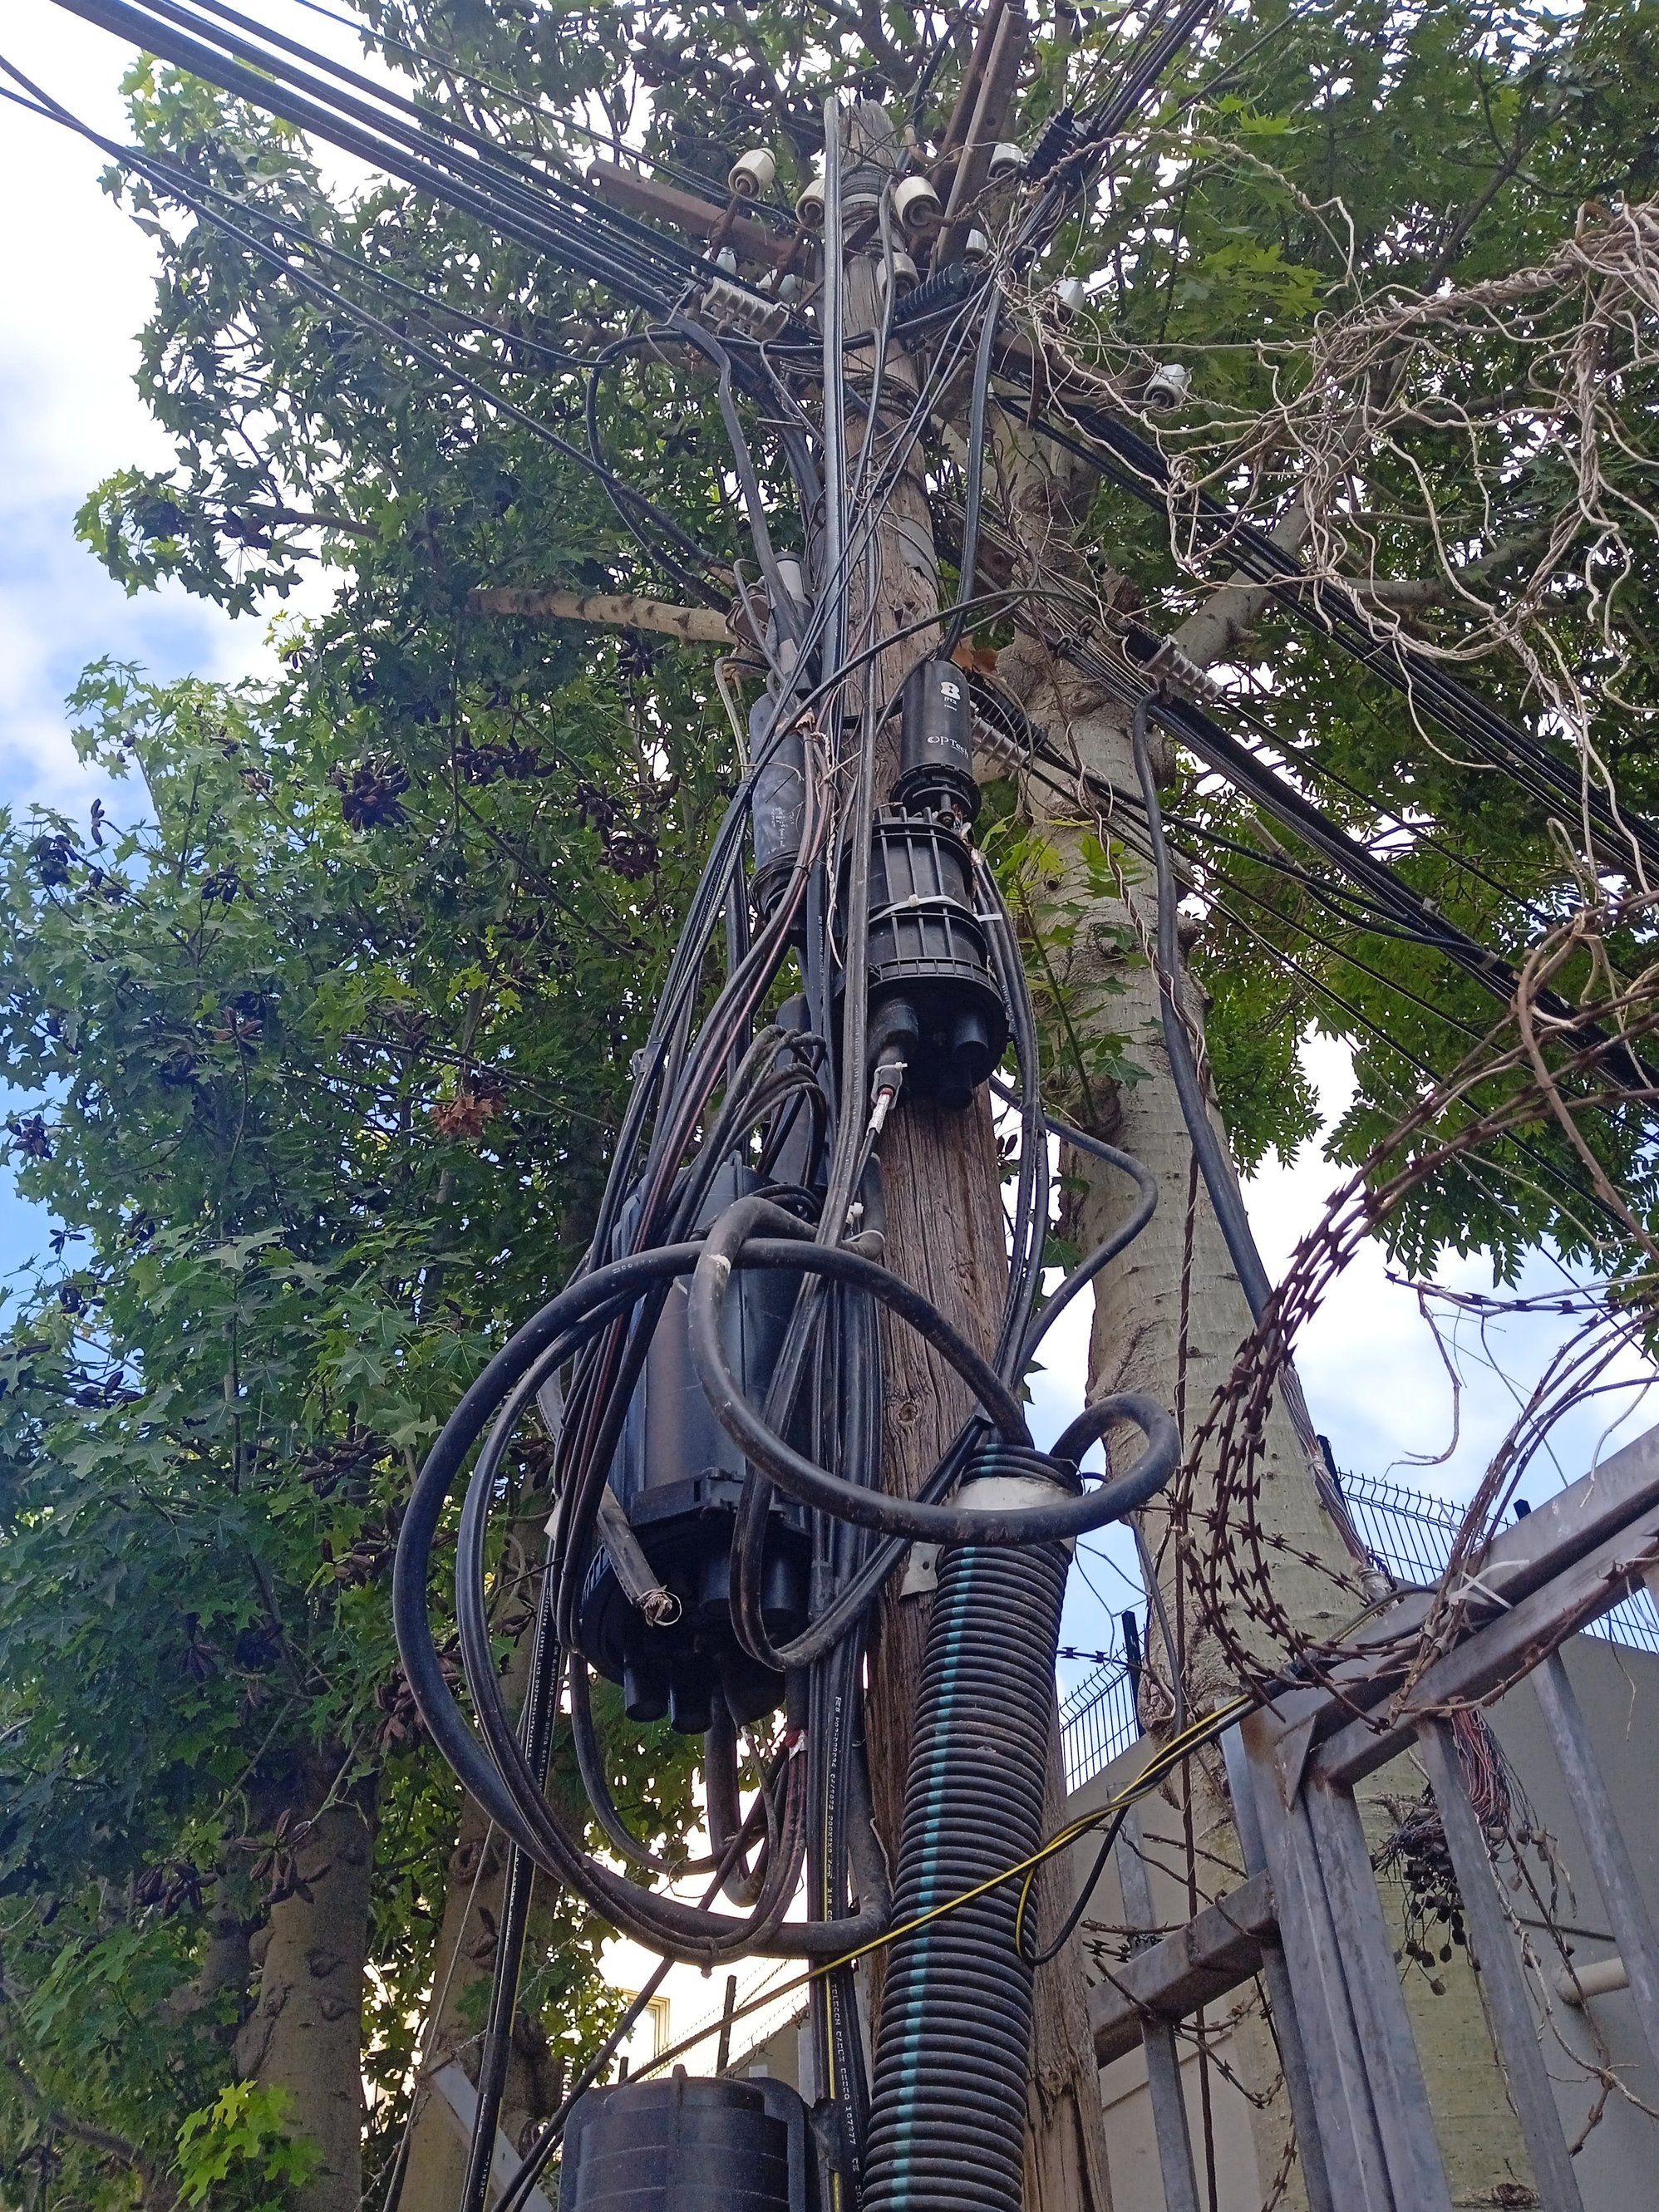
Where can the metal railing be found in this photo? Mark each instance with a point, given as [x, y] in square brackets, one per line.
[1310, 1920]
[1412, 1534]
[1408, 1532]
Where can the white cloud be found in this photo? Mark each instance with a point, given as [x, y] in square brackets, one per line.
[75, 282]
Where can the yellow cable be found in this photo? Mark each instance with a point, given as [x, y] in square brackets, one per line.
[1168, 1755]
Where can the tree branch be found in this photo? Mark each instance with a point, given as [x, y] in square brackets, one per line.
[65, 2123]
[613, 611]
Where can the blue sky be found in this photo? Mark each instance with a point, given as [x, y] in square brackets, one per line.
[75, 279]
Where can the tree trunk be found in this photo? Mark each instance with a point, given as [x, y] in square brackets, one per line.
[1142, 1315]
[305, 2034]
[1177, 1279]
[227, 1965]
[1170, 1312]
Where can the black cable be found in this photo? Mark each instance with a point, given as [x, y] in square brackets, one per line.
[623, 498]
[594, 246]
[1228, 1206]
[1057, 1943]
[784, 611]
[499, 1783]
[1343, 952]
[1201, 734]
[974, 499]
[514, 174]
[448, 64]
[1328, 608]
[732, 1242]
[1121, 1237]
[1030, 1224]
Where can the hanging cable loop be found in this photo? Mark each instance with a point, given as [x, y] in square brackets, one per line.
[804, 1479]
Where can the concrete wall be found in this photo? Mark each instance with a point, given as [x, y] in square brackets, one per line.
[1618, 2166]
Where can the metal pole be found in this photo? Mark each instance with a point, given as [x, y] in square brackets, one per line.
[1281, 2004]
[1174, 2142]
[1501, 1974]
[1615, 1877]
[1399, 2094]
[1337, 2068]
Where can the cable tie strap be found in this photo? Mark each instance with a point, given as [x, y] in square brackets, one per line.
[1473, 1586]
[927, 902]
[884, 1088]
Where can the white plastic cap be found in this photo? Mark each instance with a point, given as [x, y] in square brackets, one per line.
[1167, 388]
[809, 208]
[904, 273]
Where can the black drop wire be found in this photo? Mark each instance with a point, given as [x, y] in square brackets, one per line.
[1228, 1205]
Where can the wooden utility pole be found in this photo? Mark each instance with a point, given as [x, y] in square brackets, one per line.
[942, 1180]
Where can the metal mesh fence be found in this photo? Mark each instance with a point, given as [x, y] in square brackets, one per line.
[1097, 1721]
[1411, 1534]
[1408, 1532]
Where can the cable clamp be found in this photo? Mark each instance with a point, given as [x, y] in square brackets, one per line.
[728, 306]
[1007, 1493]
[921, 903]
[884, 1088]
[1034, 1480]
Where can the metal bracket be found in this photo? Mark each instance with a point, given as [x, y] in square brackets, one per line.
[921, 1577]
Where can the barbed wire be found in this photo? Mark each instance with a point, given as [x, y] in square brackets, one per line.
[1529, 1073]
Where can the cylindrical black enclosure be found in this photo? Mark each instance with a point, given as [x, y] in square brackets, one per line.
[933, 999]
[947, 2123]
[936, 744]
[688, 2146]
[778, 808]
[679, 1476]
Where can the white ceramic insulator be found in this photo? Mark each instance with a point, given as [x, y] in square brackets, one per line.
[753, 175]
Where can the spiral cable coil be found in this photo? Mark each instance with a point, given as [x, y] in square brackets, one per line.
[947, 2123]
